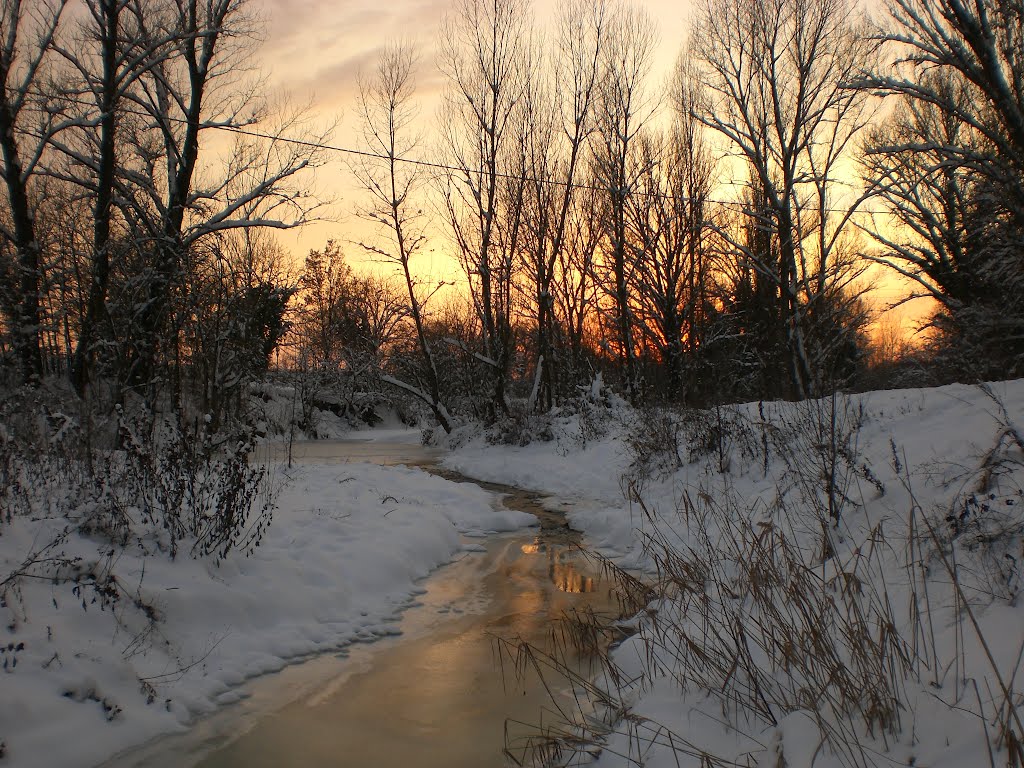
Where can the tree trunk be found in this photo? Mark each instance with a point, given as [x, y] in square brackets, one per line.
[28, 322]
[81, 365]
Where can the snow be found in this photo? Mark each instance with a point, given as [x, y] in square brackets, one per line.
[345, 554]
[923, 450]
[351, 544]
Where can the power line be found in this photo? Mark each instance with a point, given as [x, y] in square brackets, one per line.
[240, 130]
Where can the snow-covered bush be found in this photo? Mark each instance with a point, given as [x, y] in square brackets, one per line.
[818, 441]
[158, 484]
[87, 501]
[585, 418]
[191, 490]
[654, 442]
[521, 426]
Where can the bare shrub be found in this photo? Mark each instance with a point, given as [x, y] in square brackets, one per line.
[984, 517]
[583, 419]
[520, 426]
[199, 490]
[737, 614]
[662, 441]
[822, 453]
[718, 433]
[655, 443]
[594, 414]
[162, 484]
[749, 622]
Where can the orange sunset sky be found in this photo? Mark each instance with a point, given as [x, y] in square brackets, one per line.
[315, 49]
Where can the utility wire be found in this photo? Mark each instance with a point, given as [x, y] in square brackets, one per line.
[240, 130]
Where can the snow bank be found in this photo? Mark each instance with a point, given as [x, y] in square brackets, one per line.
[341, 560]
[951, 458]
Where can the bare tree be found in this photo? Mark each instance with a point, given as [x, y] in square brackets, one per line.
[668, 224]
[981, 43]
[931, 199]
[623, 108]
[106, 15]
[951, 169]
[575, 289]
[388, 116]
[63, 222]
[104, 60]
[197, 88]
[484, 55]
[120, 109]
[558, 119]
[778, 77]
[27, 124]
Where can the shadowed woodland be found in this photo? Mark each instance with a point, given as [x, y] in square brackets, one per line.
[703, 240]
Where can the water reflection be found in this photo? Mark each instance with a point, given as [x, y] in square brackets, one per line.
[562, 569]
[439, 696]
[344, 451]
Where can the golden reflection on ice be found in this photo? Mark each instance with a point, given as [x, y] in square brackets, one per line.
[397, 707]
[562, 570]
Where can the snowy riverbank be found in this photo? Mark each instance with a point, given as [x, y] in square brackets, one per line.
[348, 544]
[848, 509]
[922, 483]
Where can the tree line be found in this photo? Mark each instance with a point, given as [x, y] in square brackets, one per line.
[133, 248]
[697, 240]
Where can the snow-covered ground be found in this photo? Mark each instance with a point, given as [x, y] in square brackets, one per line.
[351, 541]
[347, 547]
[951, 458]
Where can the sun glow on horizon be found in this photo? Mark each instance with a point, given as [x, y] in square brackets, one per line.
[316, 50]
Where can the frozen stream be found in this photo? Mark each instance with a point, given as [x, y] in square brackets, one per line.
[434, 696]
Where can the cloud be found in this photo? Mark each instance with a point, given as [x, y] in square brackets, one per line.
[336, 84]
[317, 46]
[315, 49]
[321, 25]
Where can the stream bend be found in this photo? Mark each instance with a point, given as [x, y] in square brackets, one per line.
[444, 693]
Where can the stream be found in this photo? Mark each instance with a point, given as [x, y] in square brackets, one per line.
[444, 692]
